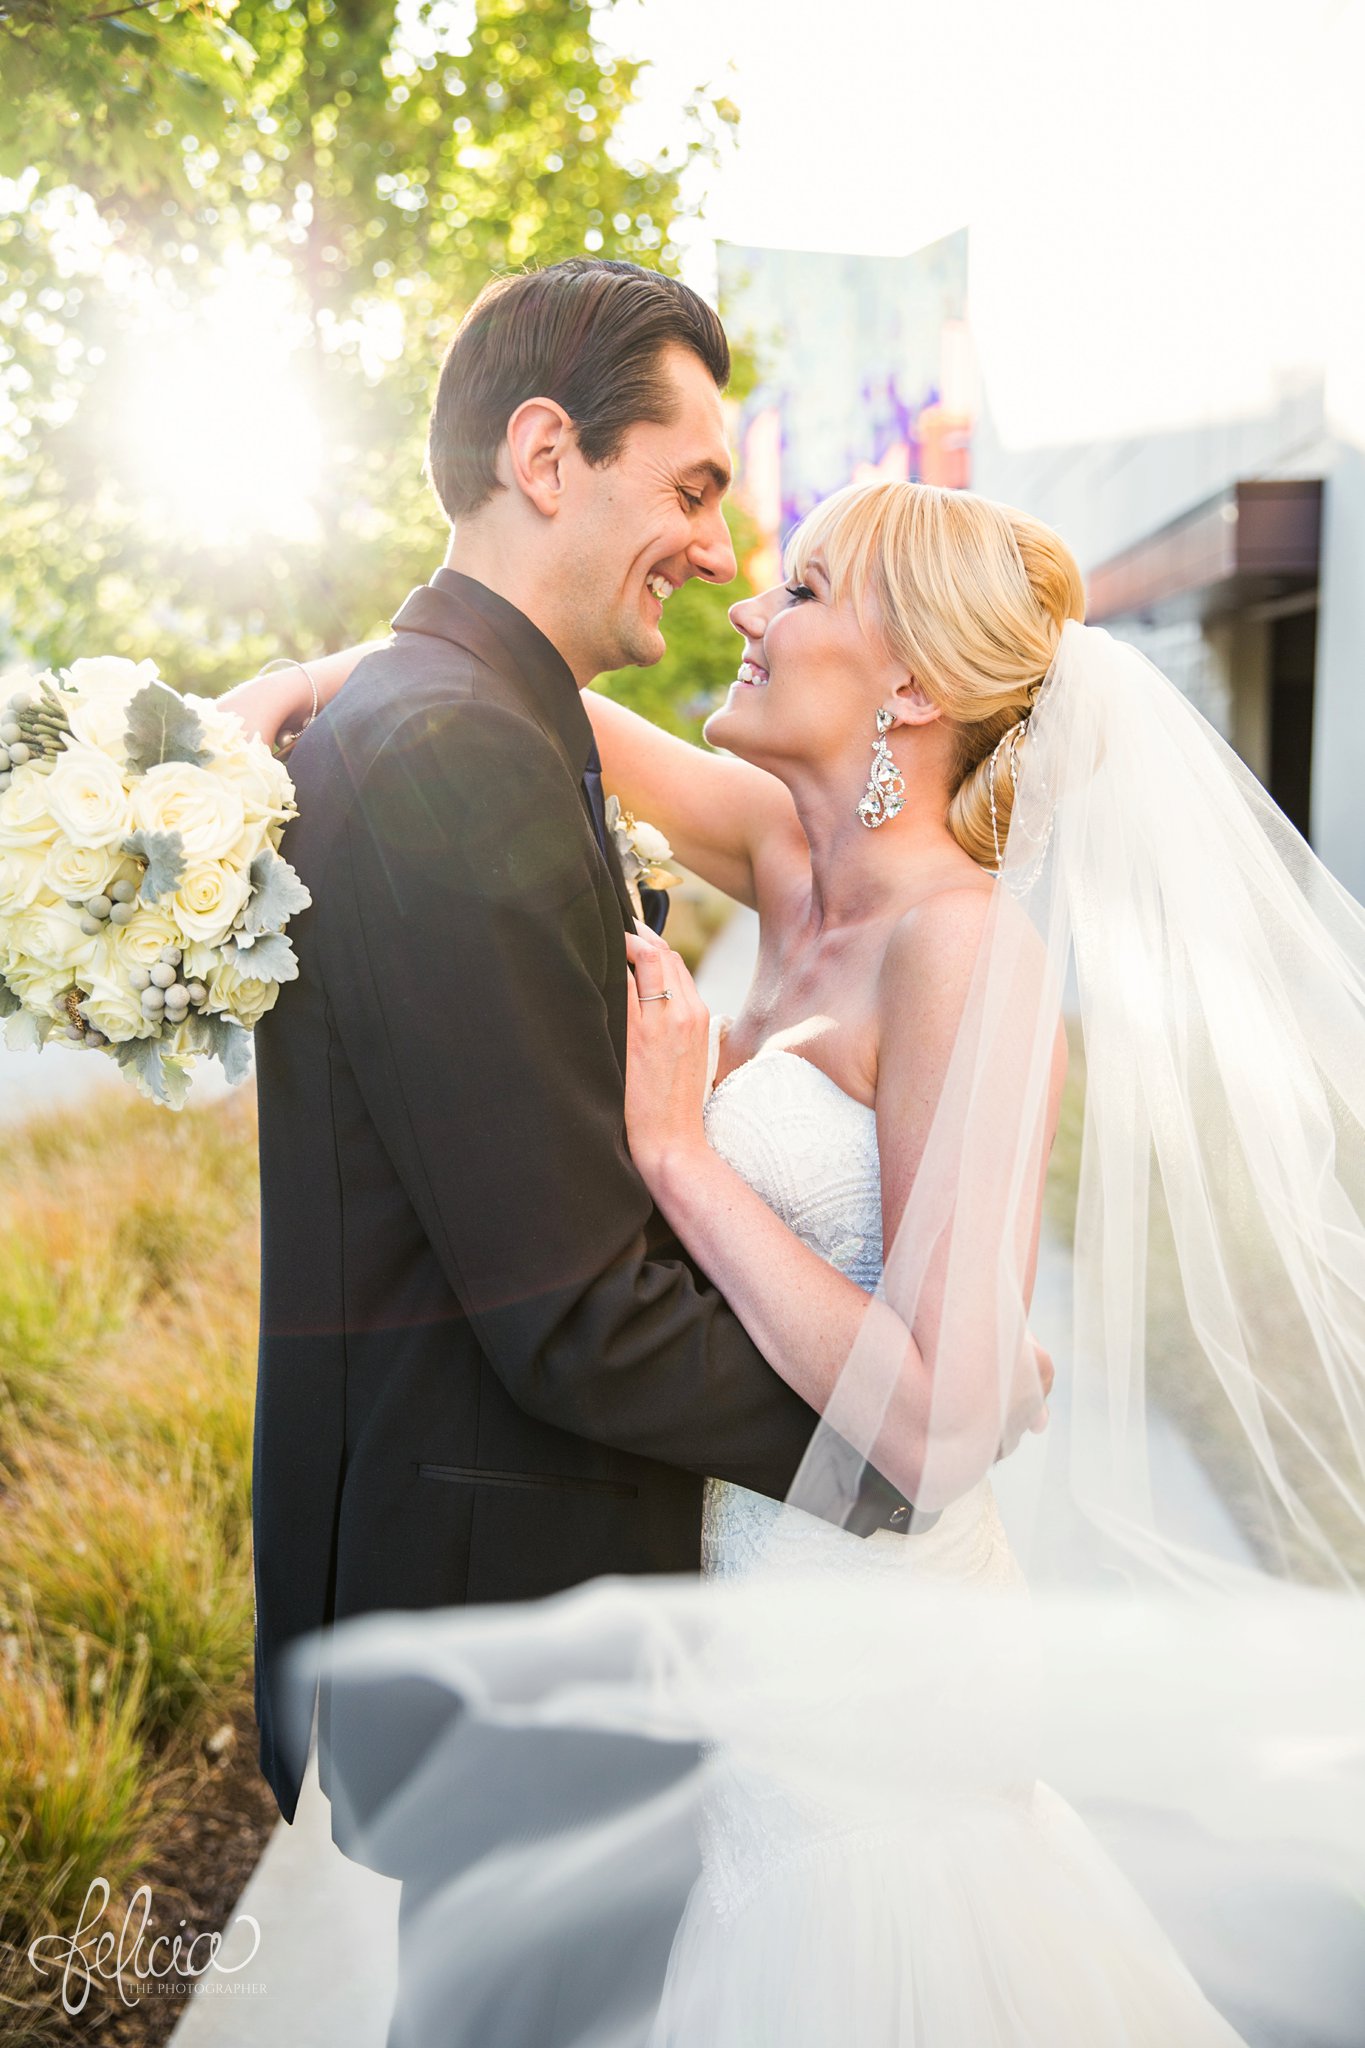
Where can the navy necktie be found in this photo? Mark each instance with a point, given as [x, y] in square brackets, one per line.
[653, 902]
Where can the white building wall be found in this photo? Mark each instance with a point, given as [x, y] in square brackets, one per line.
[1126, 381]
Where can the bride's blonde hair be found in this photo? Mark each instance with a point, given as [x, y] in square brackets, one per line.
[971, 596]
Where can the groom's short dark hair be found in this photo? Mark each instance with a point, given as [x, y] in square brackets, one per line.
[588, 333]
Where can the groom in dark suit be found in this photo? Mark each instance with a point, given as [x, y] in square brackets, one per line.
[486, 1372]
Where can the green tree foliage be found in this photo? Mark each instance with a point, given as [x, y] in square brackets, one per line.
[94, 88]
[373, 164]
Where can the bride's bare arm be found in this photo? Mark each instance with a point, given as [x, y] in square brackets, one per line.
[717, 813]
[281, 701]
[802, 1313]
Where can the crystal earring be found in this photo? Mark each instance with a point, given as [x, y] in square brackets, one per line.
[884, 796]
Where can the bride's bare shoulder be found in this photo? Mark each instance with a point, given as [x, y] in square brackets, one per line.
[931, 960]
[932, 948]
[951, 916]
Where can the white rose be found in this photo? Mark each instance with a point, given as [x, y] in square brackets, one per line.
[50, 935]
[139, 944]
[37, 986]
[80, 870]
[208, 899]
[14, 679]
[253, 841]
[227, 734]
[206, 811]
[21, 878]
[87, 797]
[102, 675]
[264, 783]
[224, 730]
[113, 1007]
[107, 685]
[240, 996]
[25, 820]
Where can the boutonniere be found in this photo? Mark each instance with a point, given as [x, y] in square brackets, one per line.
[642, 849]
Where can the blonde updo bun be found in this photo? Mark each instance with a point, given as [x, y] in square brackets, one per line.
[971, 596]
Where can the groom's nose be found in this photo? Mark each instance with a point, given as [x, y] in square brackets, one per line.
[712, 553]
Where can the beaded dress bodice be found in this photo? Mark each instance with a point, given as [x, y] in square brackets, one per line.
[810, 1151]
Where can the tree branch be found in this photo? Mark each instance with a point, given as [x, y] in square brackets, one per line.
[133, 7]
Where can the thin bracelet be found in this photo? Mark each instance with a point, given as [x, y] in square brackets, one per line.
[288, 739]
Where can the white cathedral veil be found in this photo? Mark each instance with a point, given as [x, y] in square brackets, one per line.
[1192, 1682]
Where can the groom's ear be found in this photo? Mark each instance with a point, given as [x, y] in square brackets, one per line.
[540, 437]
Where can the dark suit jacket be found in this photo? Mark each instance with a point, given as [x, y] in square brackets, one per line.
[486, 1371]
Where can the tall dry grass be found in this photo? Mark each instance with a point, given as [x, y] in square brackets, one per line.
[128, 1296]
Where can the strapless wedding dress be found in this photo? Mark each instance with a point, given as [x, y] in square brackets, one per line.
[966, 1912]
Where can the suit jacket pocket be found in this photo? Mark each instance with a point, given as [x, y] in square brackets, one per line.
[471, 1475]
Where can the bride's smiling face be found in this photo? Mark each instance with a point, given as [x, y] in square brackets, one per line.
[811, 676]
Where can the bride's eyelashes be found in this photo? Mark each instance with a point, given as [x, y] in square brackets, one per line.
[799, 592]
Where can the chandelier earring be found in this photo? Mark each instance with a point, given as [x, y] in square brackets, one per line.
[884, 796]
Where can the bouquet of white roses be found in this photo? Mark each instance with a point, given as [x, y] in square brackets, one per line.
[143, 895]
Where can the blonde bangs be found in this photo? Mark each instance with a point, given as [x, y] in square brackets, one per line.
[843, 530]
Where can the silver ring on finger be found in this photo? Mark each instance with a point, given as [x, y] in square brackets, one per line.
[664, 995]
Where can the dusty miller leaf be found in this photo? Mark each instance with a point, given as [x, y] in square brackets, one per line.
[164, 853]
[226, 1042]
[158, 1078]
[271, 958]
[9, 1001]
[176, 1076]
[276, 894]
[163, 727]
[235, 1053]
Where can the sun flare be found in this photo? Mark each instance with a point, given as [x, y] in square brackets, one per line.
[223, 431]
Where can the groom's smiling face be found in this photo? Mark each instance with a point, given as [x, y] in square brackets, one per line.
[644, 523]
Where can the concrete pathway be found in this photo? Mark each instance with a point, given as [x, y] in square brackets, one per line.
[324, 1932]
[326, 1963]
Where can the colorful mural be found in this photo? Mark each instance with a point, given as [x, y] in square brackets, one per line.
[865, 370]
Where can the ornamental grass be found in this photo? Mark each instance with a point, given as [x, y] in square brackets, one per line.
[128, 1300]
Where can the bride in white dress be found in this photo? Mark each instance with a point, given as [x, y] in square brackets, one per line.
[942, 794]
[817, 1920]
[995, 1920]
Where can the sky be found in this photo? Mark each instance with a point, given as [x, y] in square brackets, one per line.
[1157, 195]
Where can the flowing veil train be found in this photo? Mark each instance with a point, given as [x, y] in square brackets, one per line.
[1200, 1711]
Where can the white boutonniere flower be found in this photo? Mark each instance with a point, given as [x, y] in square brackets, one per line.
[643, 850]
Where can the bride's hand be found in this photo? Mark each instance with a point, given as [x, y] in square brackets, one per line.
[1029, 1397]
[667, 1055]
[271, 705]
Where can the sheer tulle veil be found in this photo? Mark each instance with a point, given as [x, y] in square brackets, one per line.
[1187, 1667]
